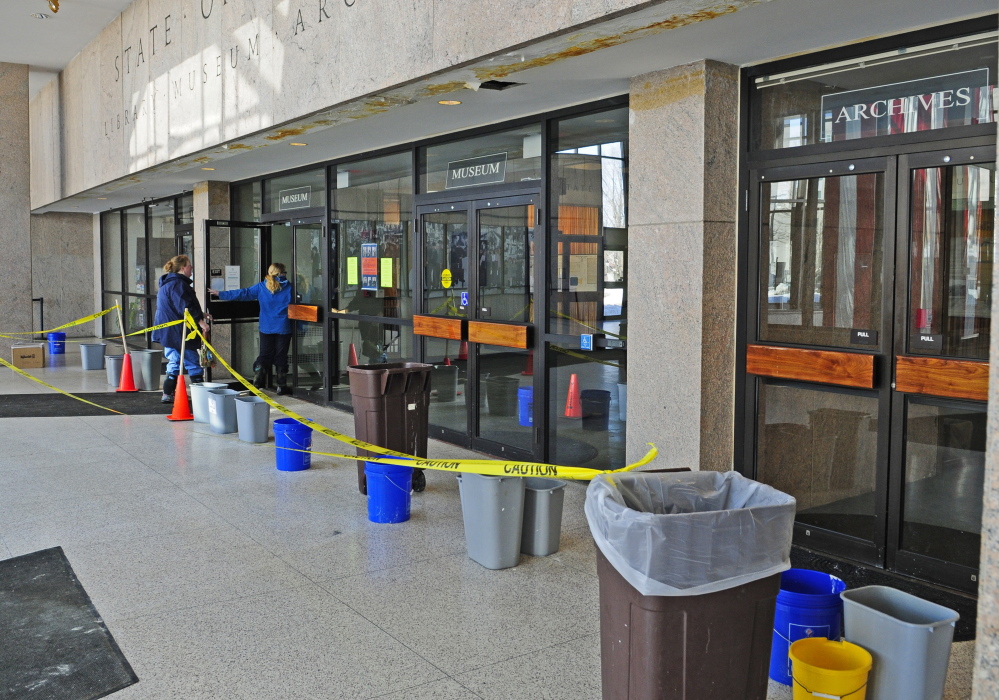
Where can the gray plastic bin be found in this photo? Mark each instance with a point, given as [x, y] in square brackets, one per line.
[543, 499]
[150, 368]
[222, 410]
[199, 398]
[253, 417]
[908, 637]
[493, 510]
[113, 363]
[92, 355]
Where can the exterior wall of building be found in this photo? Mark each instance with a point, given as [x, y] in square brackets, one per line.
[62, 268]
[682, 271]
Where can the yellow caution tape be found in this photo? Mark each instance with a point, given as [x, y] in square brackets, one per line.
[477, 466]
[77, 322]
[581, 356]
[586, 325]
[66, 393]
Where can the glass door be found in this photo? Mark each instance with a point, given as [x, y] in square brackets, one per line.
[478, 291]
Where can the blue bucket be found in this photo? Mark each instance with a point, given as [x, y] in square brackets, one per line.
[525, 405]
[288, 432]
[808, 605]
[57, 343]
[389, 487]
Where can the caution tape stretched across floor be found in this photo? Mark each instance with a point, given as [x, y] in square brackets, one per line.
[489, 467]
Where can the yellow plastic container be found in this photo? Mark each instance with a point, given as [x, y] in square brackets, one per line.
[822, 668]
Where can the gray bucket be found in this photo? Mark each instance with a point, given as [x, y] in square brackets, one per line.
[113, 363]
[137, 368]
[222, 410]
[253, 417]
[92, 355]
[151, 367]
[908, 637]
[199, 399]
[493, 510]
[543, 499]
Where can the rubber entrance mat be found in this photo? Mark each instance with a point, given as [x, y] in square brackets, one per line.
[141, 403]
[54, 644]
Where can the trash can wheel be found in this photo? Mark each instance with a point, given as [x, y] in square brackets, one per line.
[419, 480]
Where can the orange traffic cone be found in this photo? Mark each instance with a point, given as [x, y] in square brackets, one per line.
[573, 407]
[127, 381]
[181, 407]
[463, 350]
[529, 370]
[447, 361]
[352, 357]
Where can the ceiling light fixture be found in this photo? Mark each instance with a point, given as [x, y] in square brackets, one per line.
[40, 15]
[102, 198]
[296, 143]
[449, 103]
[208, 168]
[54, 5]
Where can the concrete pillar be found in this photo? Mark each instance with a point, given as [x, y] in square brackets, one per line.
[683, 200]
[15, 202]
[62, 266]
[211, 201]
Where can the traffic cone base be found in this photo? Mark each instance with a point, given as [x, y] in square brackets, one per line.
[573, 407]
[127, 381]
[181, 406]
[529, 369]
[352, 356]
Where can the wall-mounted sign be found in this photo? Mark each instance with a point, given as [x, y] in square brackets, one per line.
[231, 277]
[369, 266]
[928, 100]
[859, 336]
[927, 341]
[446, 278]
[464, 299]
[296, 198]
[586, 341]
[483, 170]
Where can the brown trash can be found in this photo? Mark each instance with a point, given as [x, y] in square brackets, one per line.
[391, 409]
[714, 646]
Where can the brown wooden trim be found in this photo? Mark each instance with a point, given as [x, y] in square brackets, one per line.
[301, 312]
[437, 327]
[956, 379]
[827, 367]
[503, 334]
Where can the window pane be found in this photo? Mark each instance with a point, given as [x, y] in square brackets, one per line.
[373, 201]
[110, 326]
[944, 481]
[509, 156]
[185, 215]
[445, 247]
[506, 263]
[953, 213]
[136, 255]
[373, 342]
[820, 259]
[246, 204]
[299, 191]
[162, 242]
[111, 250]
[821, 447]
[135, 317]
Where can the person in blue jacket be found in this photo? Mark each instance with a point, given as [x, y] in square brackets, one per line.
[176, 293]
[273, 293]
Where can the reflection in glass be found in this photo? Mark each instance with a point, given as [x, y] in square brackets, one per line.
[448, 384]
[820, 259]
[944, 481]
[136, 272]
[135, 316]
[185, 212]
[953, 212]
[372, 342]
[245, 201]
[373, 202]
[307, 363]
[502, 388]
[821, 447]
[111, 327]
[162, 237]
[506, 263]
[111, 250]
[445, 247]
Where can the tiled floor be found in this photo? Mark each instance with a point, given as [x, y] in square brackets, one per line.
[221, 577]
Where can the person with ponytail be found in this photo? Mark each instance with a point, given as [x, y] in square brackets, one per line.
[175, 294]
[273, 293]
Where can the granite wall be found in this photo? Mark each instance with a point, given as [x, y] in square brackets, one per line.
[682, 274]
[15, 233]
[62, 268]
[211, 201]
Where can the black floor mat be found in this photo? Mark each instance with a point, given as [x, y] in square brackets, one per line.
[54, 645]
[139, 403]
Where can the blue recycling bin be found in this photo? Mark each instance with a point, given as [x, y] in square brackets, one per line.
[525, 405]
[57, 343]
[808, 605]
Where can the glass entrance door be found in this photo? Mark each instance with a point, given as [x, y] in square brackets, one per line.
[868, 355]
[478, 266]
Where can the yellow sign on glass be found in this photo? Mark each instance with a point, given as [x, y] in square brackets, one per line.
[446, 278]
[387, 280]
[351, 270]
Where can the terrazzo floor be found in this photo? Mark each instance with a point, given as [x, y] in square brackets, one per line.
[221, 577]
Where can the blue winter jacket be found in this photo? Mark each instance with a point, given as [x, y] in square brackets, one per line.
[176, 294]
[273, 306]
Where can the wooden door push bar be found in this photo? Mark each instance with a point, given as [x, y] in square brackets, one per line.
[956, 379]
[506, 335]
[823, 366]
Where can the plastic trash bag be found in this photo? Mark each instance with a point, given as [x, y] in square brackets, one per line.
[690, 533]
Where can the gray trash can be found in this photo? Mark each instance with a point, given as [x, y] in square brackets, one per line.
[543, 499]
[199, 399]
[92, 355]
[493, 510]
[150, 368]
[222, 410]
[908, 637]
[253, 417]
[113, 363]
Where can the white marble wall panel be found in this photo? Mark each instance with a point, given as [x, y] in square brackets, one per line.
[251, 84]
[46, 174]
[137, 102]
[311, 77]
[111, 158]
[196, 104]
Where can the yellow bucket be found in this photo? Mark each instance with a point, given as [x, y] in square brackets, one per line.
[822, 668]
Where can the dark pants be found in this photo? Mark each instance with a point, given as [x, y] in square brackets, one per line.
[273, 351]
